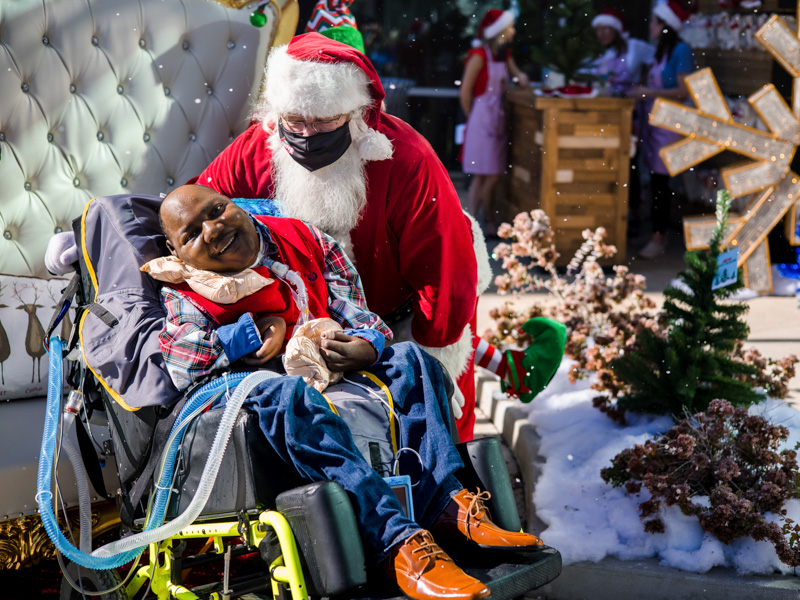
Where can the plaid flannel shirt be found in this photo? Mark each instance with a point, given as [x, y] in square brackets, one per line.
[194, 346]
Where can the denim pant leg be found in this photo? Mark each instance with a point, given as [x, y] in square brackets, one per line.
[305, 433]
[420, 399]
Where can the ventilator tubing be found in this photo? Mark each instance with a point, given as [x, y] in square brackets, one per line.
[81, 479]
[297, 287]
[124, 551]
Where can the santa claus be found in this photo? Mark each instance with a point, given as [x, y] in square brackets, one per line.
[321, 146]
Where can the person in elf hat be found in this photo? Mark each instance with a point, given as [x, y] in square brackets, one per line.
[323, 148]
[207, 231]
[486, 71]
[625, 58]
[333, 19]
[672, 63]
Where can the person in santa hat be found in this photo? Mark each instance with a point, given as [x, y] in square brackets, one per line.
[486, 72]
[672, 63]
[322, 147]
[625, 58]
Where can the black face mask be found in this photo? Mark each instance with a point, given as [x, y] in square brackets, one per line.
[318, 150]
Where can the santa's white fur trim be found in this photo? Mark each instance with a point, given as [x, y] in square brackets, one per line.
[481, 255]
[313, 89]
[371, 144]
[503, 21]
[454, 357]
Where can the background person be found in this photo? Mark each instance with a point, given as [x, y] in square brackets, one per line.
[665, 79]
[486, 72]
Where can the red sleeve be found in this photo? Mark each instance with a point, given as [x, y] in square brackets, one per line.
[435, 247]
[483, 76]
[243, 169]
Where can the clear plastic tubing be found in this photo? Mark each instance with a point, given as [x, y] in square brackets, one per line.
[124, 551]
[297, 287]
[81, 479]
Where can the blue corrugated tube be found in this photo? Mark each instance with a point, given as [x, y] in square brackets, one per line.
[126, 550]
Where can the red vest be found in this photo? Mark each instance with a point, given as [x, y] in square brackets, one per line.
[298, 250]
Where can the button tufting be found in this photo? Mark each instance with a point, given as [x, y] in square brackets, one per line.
[231, 45]
[123, 182]
[146, 137]
[95, 41]
[50, 137]
[45, 40]
[28, 186]
[192, 137]
[142, 43]
[209, 91]
[120, 89]
[24, 87]
[76, 182]
[57, 230]
[2, 136]
[185, 45]
[72, 88]
[170, 181]
[166, 91]
[7, 234]
[100, 136]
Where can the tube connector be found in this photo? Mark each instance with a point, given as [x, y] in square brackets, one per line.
[74, 402]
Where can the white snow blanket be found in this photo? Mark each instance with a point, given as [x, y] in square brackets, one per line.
[587, 519]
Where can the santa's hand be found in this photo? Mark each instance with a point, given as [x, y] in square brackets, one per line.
[273, 332]
[344, 352]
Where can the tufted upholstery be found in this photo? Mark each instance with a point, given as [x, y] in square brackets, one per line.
[102, 97]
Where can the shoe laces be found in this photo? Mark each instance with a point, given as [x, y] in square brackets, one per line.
[428, 548]
[477, 503]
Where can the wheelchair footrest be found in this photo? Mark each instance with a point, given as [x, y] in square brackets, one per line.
[507, 574]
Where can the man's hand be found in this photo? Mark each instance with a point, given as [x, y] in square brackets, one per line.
[272, 330]
[344, 352]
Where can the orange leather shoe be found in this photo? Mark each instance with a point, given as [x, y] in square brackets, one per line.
[422, 570]
[466, 518]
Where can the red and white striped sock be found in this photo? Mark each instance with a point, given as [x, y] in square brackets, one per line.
[491, 359]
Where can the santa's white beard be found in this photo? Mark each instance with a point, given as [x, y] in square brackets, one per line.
[332, 198]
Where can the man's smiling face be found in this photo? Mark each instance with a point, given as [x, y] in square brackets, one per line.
[207, 231]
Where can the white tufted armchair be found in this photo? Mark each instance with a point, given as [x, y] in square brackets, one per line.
[100, 97]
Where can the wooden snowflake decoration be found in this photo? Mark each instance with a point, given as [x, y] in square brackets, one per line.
[709, 129]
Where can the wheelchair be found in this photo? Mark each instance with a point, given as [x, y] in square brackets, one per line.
[262, 530]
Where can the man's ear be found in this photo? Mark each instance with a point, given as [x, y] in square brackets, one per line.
[171, 248]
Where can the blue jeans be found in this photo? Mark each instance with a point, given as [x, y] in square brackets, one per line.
[305, 433]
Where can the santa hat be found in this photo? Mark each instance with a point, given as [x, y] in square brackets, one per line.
[316, 77]
[609, 18]
[672, 13]
[492, 23]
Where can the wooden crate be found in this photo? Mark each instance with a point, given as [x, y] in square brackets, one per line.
[571, 157]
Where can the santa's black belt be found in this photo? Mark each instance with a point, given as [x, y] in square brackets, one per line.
[399, 313]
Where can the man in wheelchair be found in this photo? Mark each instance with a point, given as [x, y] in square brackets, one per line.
[206, 231]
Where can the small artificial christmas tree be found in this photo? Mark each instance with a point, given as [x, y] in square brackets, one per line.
[568, 42]
[691, 364]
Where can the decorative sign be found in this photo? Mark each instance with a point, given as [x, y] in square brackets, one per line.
[727, 269]
[709, 129]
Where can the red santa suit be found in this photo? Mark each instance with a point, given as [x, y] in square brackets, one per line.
[413, 243]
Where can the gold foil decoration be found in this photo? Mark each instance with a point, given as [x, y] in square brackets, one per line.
[758, 271]
[709, 128]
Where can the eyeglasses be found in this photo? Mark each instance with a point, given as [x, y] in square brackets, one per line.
[321, 126]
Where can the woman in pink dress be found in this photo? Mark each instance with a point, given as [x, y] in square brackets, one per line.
[486, 72]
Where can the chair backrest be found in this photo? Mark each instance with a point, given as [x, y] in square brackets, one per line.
[101, 97]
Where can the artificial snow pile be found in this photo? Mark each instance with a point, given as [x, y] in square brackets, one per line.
[588, 519]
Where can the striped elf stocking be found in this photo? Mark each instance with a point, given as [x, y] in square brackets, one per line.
[525, 373]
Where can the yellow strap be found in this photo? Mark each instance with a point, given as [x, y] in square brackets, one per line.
[385, 389]
[333, 408]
